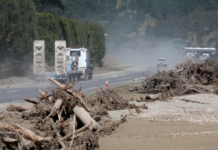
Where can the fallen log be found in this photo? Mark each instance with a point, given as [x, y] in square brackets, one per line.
[31, 135]
[73, 133]
[5, 126]
[80, 112]
[71, 92]
[5, 109]
[85, 117]
[57, 83]
[190, 90]
[153, 96]
[44, 95]
[17, 108]
[7, 133]
[9, 140]
[26, 132]
[31, 100]
[76, 132]
[72, 124]
[56, 107]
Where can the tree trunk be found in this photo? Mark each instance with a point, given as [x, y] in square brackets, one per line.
[85, 117]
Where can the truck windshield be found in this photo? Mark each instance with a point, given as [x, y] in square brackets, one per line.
[74, 53]
[161, 59]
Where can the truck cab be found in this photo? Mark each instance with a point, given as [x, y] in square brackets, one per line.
[77, 53]
[78, 63]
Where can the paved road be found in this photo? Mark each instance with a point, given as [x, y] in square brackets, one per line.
[31, 91]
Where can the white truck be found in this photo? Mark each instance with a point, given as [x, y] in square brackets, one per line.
[39, 59]
[72, 62]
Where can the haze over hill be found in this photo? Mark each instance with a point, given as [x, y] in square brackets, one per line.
[194, 22]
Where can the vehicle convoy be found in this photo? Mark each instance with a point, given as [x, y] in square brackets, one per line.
[39, 59]
[161, 63]
[199, 52]
[72, 63]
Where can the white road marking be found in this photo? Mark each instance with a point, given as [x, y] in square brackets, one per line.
[12, 91]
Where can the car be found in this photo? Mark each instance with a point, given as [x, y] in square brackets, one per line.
[190, 55]
[204, 57]
[161, 62]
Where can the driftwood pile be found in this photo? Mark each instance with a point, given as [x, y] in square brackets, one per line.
[107, 99]
[204, 74]
[64, 119]
[181, 81]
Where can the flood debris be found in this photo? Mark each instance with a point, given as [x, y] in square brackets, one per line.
[63, 119]
[107, 99]
[183, 80]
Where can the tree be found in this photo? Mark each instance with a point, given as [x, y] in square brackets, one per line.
[4, 35]
[20, 29]
[42, 4]
[23, 25]
[98, 42]
[49, 30]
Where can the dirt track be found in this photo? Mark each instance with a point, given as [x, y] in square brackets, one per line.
[141, 134]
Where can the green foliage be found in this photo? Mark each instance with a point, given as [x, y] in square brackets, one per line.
[74, 32]
[4, 36]
[98, 42]
[132, 5]
[90, 10]
[42, 4]
[20, 29]
[23, 33]
[49, 30]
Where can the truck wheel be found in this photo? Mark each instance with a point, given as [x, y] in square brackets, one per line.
[90, 78]
[89, 73]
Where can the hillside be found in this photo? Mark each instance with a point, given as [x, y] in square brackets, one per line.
[193, 21]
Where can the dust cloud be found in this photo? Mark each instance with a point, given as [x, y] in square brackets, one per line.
[146, 57]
